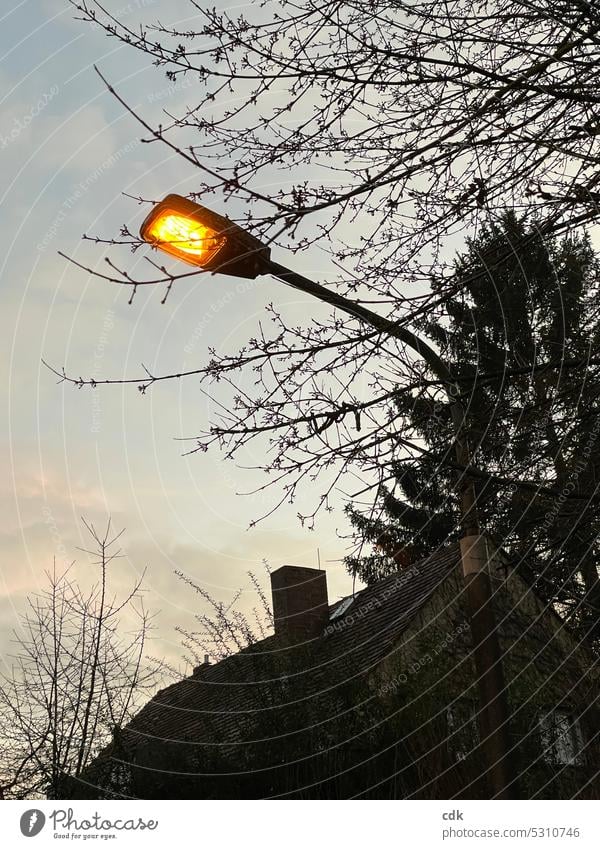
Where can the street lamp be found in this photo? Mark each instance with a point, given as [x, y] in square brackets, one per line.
[203, 238]
[197, 235]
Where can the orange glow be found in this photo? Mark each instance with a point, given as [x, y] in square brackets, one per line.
[184, 237]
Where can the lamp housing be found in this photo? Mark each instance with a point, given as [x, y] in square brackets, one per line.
[201, 237]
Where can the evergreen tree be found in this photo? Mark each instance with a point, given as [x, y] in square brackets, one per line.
[522, 335]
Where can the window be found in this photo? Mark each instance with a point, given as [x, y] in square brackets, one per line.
[463, 734]
[561, 738]
[342, 607]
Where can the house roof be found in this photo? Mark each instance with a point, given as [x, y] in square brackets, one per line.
[220, 704]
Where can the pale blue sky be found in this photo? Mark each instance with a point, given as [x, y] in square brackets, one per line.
[68, 152]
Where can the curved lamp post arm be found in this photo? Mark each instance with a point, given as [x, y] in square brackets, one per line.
[385, 325]
[469, 518]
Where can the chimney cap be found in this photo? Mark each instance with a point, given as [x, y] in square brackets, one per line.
[201, 666]
[304, 569]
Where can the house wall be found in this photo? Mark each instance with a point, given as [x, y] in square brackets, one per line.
[427, 684]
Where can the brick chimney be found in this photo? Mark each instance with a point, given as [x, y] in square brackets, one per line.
[300, 606]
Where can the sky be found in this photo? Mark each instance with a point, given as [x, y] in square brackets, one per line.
[69, 151]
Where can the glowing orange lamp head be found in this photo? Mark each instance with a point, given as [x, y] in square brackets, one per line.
[201, 237]
[184, 237]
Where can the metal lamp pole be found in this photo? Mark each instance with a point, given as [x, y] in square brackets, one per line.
[494, 711]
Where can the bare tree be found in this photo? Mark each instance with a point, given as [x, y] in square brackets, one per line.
[389, 129]
[76, 678]
[397, 126]
[224, 629]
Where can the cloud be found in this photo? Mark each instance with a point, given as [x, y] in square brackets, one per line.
[39, 521]
[82, 453]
